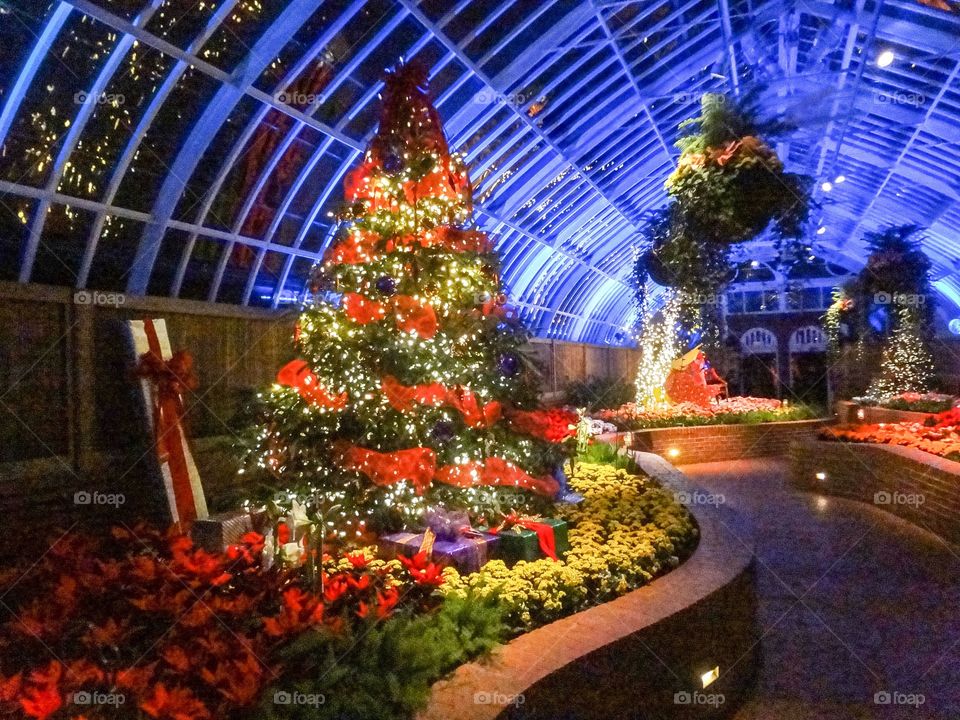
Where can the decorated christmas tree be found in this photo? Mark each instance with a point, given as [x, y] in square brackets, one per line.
[906, 364]
[412, 391]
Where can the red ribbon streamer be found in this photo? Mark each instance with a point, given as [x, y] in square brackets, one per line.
[170, 379]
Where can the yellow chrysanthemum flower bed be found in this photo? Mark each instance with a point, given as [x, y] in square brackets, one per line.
[626, 531]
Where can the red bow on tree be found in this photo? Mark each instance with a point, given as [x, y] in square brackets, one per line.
[361, 310]
[415, 317]
[402, 397]
[298, 375]
[464, 400]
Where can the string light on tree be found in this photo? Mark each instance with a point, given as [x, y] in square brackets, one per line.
[413, 390]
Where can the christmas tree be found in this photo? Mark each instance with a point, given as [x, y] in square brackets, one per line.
[412, 391]
[906, 364]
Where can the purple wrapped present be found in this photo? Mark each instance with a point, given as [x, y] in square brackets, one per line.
[467, 553]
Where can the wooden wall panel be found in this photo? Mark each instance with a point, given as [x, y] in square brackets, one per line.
[34, 391]
[66, 369]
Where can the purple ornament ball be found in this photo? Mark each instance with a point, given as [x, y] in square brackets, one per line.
[386, 285]
[509, 365]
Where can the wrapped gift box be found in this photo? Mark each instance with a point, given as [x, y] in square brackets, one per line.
[163, 406]
[517, 543]
[218, 532]
[467, 553]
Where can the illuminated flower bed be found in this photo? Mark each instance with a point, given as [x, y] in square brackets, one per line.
[729, 411]
[625, 532]
[144, 624]
[939, 435]
[913, 402]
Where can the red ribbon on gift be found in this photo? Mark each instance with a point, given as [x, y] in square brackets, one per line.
[170, 380]
[298, 375]
[545, 534]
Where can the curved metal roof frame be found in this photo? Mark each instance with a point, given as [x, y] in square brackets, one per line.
[567, 111]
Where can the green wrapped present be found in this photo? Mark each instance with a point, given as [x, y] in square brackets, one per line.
[530, 538]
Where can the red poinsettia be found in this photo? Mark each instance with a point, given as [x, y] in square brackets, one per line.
[422, 570]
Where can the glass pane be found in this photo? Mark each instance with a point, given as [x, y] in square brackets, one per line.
[116, 252]
[61, 246]
[164, 139]
[167, 263]
[115, 117]
[52, 99]
[16, 213]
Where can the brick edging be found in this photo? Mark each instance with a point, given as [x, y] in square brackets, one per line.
[709, 443]
[656, 641]
[919, 487]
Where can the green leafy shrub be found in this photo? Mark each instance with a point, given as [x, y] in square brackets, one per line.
[385, 671]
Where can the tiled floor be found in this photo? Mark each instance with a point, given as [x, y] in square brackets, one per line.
[853, 602]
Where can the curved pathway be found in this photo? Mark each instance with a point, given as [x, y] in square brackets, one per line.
[852, 602]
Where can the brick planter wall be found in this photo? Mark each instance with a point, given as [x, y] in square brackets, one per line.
[708, 443]
[847, 414]
[919, 487]
[644, 651]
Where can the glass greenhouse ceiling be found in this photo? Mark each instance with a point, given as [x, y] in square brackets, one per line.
[196, 148]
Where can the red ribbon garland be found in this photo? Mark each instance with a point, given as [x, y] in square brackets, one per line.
[418, 465]
[171, 379]
[545, 534]
[495, 471]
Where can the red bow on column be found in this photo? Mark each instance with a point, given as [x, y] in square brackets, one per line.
[171, 379]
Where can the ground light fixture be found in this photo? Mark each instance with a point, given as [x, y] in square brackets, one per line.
[710, 676]
[886, 58]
